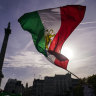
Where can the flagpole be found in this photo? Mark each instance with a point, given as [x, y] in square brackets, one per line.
[73, 74]
[82, 82]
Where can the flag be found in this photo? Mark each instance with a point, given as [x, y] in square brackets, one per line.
[8, 94]
[50, 28]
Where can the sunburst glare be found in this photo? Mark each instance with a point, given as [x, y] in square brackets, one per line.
[68, 52]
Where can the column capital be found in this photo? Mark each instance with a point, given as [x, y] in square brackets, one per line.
[8, 30]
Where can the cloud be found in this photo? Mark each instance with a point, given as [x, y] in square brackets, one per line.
[28, 45]
[84, 66]
[85, 28]
[89, 22]
[26, 59]
[80, 1]
[87, 25]
[1, 7]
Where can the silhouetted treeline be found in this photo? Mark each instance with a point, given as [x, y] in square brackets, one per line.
[78, 90]
[91, 80]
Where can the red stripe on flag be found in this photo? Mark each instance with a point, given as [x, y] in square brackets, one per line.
[60, 60]
[62, 64]
[71, 16]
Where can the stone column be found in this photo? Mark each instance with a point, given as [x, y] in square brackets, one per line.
[3, 49]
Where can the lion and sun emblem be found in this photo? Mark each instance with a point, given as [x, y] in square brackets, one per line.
[48, 37]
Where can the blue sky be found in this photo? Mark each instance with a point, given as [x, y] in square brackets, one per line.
[22, 61]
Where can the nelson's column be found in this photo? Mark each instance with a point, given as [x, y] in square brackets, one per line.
[3, 49]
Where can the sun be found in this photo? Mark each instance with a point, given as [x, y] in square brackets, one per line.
[66, 51]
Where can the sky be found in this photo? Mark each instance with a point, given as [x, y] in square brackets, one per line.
[23, 62]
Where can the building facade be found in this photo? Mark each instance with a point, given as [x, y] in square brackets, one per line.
[14, 86]
[59, 85]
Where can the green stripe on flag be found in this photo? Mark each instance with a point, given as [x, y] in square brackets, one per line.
[9, 94]
[32, 23]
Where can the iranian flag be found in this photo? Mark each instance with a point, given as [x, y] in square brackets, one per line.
[50, 28]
